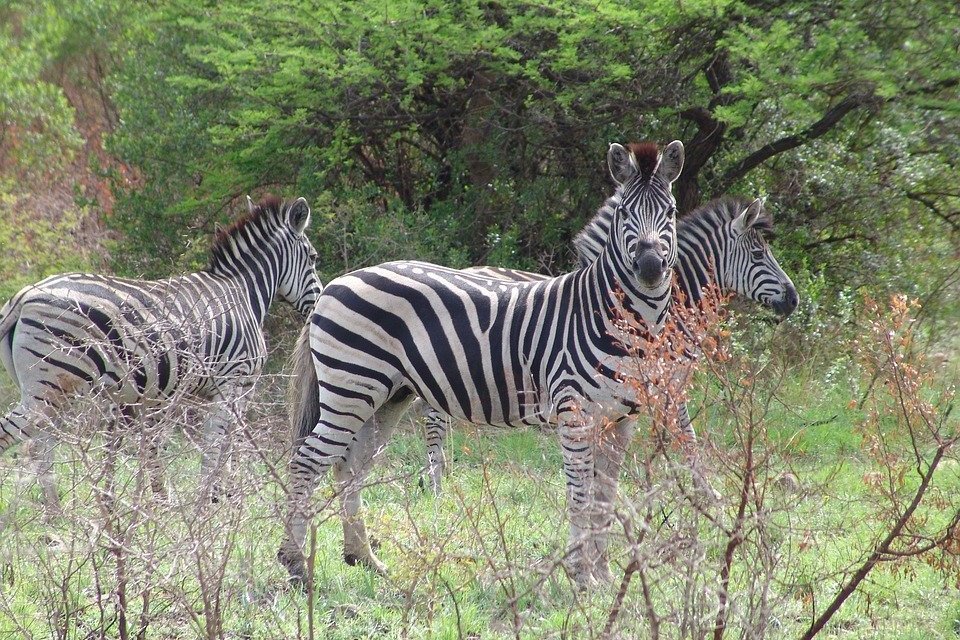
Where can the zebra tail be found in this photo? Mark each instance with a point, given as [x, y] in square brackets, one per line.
[9, 317]
[303, 393]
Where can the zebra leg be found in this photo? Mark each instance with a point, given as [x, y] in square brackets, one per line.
[23, 423]
[17, 425]
[227, 413]
[327, 444]
[611, 449]
[577, 442]
[45, 445]
[152, 441]
[350, 475]
[692, 453]
[436, 425]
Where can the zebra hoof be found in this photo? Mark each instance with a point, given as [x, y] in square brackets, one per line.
[293, 561]
[369, 562]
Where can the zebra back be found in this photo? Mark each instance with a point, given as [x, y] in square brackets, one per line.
[507, 275]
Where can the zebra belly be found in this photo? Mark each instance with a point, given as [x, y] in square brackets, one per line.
[63, 348]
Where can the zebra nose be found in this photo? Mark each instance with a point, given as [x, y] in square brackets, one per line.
[786, 305]
[650, 265]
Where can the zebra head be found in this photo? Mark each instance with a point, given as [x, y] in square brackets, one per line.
[298, 283]
[750, 268]
[644, 224]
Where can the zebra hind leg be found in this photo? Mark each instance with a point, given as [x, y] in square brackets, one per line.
[350, 475]
[45, 447]
[436, 425]
[21, 424]
[327, 444]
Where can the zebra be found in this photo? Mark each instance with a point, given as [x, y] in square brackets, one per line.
[141, 343]
[498, 353]
[722, 241]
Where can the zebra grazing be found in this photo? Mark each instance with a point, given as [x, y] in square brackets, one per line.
[723, 241]
[140, 343]
[498, 353]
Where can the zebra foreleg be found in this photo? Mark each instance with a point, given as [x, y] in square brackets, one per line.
[217, 440]
[577, 441]
[611, 449]
[692, 456]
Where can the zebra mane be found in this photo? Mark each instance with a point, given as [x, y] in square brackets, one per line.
[727, 208]
[646, 155]
[588, 243]
[270, 210]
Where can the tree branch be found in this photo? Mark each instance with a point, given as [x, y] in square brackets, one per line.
[947, 217]
[829, 120]
[881, 551]
[834, 239]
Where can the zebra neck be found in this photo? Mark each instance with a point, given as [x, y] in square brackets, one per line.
[250, 273]
[617, 288]
[699, 256]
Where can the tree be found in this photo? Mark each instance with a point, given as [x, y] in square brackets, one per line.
[476, 131]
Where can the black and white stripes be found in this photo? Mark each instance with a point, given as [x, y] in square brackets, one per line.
[501, 353]
[723, 242]
[140, 343]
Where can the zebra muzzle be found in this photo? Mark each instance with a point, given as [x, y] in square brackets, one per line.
[651, 266]
[788, 303]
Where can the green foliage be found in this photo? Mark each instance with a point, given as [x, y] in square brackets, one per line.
[36, 248]
[475, 132]
[36, 121]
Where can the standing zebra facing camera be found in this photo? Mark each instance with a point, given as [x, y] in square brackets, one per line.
[497, 353]
[723, 242]
[138, 344]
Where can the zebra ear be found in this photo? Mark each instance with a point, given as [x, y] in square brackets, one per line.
[299, 215]
[621, 162]
[671, 162]
[743, 222]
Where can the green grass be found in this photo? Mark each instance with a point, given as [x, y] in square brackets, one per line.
[473, 562]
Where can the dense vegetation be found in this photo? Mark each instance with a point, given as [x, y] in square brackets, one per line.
[474, 132]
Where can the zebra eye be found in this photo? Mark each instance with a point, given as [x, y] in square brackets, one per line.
[757, 254]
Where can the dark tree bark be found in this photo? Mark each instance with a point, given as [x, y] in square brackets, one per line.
[829, 120]
[708, 138]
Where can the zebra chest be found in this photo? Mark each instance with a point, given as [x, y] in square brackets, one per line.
[594, 387]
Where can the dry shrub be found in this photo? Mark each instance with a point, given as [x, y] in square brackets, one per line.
[126, 560]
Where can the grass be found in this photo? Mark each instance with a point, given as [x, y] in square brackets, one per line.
[473, 563]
